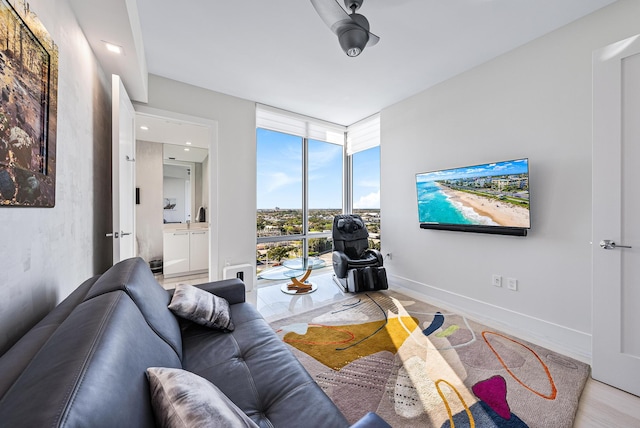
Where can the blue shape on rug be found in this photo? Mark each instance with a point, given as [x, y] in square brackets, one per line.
[437, 322]
[484, 417]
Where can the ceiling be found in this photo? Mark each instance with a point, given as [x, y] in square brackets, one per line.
[280, 53]
[171, 131]
[171, 152]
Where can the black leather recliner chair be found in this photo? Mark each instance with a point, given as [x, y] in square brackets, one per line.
[357, 267]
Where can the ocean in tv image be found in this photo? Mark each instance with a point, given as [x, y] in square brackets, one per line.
[494, 194]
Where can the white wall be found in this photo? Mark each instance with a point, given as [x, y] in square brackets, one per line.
[47, 252]
[236, 161]
[149, 211]
[533, 102]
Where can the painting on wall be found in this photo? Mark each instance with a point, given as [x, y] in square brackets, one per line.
[28, 106]
[169, 204]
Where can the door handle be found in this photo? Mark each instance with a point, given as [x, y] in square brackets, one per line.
[608, 244]
[114, 234]
[122, 233]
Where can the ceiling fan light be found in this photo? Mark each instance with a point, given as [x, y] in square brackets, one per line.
[353, 4]
[354, 52]
[353, 40]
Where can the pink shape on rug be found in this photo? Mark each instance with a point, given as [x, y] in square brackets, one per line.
[493, 392]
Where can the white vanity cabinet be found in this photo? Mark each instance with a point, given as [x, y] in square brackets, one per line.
[185, 251]
[198, 250]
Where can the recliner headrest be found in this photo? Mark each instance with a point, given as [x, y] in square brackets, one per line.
[350, 225]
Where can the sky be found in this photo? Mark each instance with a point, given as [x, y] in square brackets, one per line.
[279, 173]
[520, 166]
[366, 174]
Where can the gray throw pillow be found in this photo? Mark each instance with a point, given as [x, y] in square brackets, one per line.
[181, 399]
[201, 307]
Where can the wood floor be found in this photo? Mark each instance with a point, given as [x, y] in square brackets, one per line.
[602, 406]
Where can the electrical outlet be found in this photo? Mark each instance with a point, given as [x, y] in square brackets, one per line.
[496, 280]
[512, 284]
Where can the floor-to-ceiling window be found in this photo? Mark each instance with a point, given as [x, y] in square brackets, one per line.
[279, 199]
[300, 170]
[305, 176]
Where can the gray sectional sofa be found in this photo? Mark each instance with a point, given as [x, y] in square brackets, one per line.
[84, 364]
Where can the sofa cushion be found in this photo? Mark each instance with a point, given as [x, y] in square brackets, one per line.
[181, 399]
[201, 307]
[134, 277]
[256, 370]
[91, 371]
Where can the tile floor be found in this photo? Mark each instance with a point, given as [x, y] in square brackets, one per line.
[270, 301]
[273, 304]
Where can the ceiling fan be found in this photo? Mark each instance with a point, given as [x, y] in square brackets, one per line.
[352, 30]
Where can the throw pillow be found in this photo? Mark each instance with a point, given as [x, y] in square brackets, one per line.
[201, 307]
[181, 399]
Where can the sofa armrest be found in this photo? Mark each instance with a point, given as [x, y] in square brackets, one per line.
[233, 290]
[371, 420]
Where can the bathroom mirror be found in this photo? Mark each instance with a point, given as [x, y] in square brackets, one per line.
[185, 179]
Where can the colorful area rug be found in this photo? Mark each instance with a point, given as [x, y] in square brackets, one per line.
[419, 366]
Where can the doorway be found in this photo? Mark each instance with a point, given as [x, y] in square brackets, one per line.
[168, 142]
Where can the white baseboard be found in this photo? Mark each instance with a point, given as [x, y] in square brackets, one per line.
[560, 339]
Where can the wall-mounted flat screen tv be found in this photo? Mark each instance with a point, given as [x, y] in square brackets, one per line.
[487, 198]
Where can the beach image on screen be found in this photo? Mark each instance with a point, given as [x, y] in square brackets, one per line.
[494, 194]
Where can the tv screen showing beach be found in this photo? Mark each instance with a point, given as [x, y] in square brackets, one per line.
[493, 194]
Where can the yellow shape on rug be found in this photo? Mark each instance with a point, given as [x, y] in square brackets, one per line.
[337, 346]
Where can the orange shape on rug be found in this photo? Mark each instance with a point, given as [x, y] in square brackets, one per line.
[553, 390]
[337, 346]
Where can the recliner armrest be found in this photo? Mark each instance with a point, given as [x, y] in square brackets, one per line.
[376, 253]
[340, 264]
[371, 420]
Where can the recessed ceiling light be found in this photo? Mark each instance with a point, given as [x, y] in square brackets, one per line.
[186, 149]
[144, 128]
[114, 48]
[188, 143]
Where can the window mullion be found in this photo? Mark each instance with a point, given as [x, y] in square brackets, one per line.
[305, 197]
[347, 191]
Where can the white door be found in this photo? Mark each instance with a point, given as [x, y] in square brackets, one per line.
[123, 145]
[616, 215]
